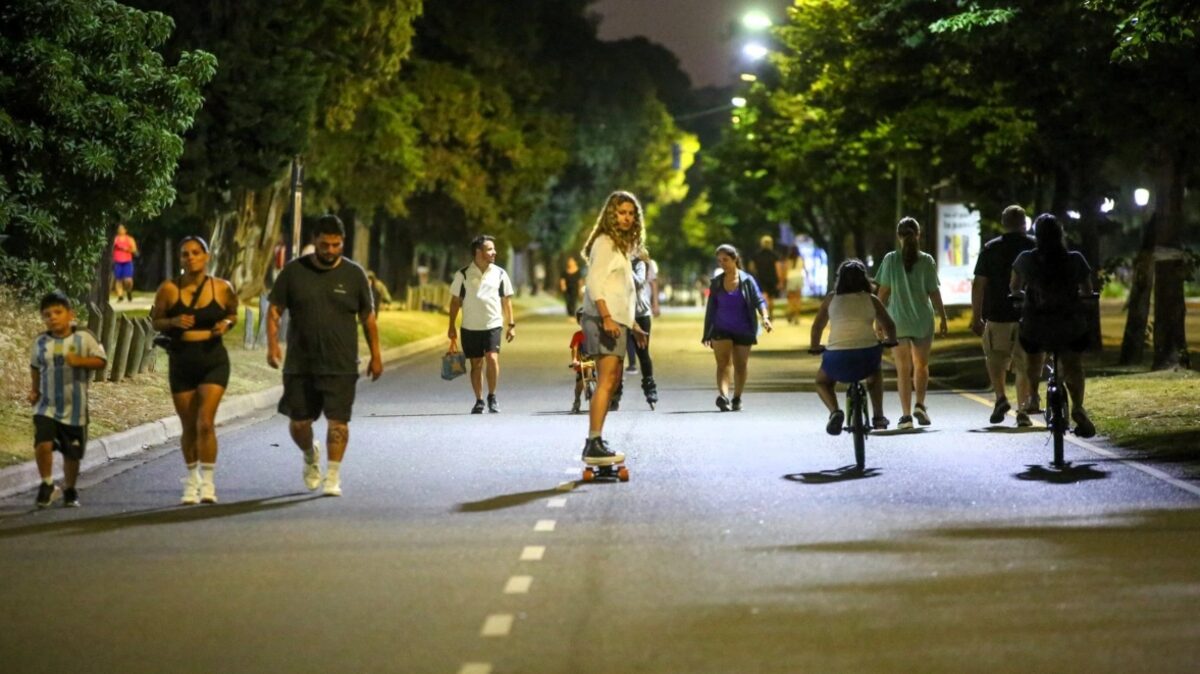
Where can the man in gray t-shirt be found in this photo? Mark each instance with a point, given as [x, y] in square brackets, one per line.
[327, 296]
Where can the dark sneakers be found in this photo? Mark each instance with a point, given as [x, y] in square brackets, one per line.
[736, 404]
[478, 408]
[70, 498]
[921, 414]
[723, 403]
[47, 494]
[1084, 428]
[1002, 407]
[837, 419]
[493, 407]
[596, 452]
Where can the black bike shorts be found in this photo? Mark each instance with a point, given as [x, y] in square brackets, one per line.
[191, 364]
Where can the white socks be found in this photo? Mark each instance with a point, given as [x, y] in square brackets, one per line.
[206, 472]
[194, 472]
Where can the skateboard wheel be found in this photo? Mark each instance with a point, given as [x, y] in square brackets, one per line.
[589, 474]
[623, 474]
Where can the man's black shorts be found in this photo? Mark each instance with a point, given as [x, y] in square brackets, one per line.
[68, 440]
[1078, 345]
[307, 396]
[476, 343]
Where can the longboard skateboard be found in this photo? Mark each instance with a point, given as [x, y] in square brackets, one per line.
[607, 472]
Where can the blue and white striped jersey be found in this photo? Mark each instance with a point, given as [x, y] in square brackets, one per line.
[63, 388]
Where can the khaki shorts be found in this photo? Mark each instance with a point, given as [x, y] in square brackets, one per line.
[1002, 346]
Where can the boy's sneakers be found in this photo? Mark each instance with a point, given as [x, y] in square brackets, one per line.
[905, 423]
[596, 452]
[1002, 407]
[921, 415]
[837, 419]
[478, 408]
[208, 492]
[736, 404]
[71, 498]
[1023, 420]
[312, 467]
[492, 406]
[880, 423]
[723, 403]
[333, 487]
[1084, 427]
[191, 490]
[47, 494]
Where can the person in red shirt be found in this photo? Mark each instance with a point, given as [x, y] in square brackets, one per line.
[123, 251]
[579, 362]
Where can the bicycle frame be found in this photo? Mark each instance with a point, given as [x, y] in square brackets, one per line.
[1056, 408]
[856, 420]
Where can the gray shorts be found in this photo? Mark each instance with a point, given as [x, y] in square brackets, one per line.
[597, 343]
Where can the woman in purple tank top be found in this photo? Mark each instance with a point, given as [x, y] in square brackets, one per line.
[735, 305]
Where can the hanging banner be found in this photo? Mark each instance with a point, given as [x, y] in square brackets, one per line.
[957, 247]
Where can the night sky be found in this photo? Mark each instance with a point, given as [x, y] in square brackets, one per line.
[700, 32]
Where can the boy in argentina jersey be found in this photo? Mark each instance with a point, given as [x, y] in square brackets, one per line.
[61, 366]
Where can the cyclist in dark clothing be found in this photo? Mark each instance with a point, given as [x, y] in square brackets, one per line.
[997, 321]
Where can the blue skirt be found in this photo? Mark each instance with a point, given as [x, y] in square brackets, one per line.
[851, 365]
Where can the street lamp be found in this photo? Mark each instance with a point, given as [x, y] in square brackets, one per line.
[755, 51]
[1141, 196]
[756, 20]
[749, 77]
[738, 102]
[1108, 205]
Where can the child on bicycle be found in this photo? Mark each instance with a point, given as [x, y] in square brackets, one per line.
[853, 352]
[579, 362]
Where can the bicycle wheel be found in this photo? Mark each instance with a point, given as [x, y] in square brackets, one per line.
[858, 425]
[1056, 409]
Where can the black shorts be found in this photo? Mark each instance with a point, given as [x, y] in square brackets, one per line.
[738, 339]
[191, 364]
[476, 343]
[1076, 345]
[70, 441]
[307, 396]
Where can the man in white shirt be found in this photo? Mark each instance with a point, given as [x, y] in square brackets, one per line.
[484, 293]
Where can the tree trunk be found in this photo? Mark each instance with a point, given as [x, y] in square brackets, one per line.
[1170, 270]
[243, 240]
[1133, 343]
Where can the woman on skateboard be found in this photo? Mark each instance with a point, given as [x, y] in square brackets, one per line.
[730, 325]
[609, 303]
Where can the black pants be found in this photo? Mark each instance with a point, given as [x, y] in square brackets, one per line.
[643, 353]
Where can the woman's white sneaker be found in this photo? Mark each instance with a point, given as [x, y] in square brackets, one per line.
[191, 491]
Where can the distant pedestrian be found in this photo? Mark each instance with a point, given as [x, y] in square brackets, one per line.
[609, 307]
[580, 362]
[570, 283]
[327, 296]
[379, 292]
[793, 283]
[645, 280]
[124, 249]
[994, 318]
[908, 287]
[196, 310]
[765, 268]
[853, 352]
[64, 357]
[731, 319]
[483, 291]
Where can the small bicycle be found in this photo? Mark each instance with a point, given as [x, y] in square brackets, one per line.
[587, 369]
[856, 420]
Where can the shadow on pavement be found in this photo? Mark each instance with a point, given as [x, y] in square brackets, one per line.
[1070, 474]
[904, 431]
[1009, 429]
[560, 413]
[431, 414]
[508, 500]
[174, 514]
[843, 474]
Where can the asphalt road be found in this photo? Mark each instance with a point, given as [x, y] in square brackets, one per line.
[741, 544]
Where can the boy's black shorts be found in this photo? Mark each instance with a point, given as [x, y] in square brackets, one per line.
[69, 440]
[307, 396]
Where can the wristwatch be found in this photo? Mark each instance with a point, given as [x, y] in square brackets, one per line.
[512, 325]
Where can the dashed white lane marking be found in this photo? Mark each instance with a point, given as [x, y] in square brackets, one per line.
[518, 585]
[544, 525]
[476, 668]
[572, 471]
[560, 502]
[1079, 442]
[497, 625]
[533, 553]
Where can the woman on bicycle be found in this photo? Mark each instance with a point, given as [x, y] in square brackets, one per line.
[1055, 282]
[908, 287]
[853, 352]
[730, 325]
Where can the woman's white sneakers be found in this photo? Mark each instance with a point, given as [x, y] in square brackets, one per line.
[191, 490]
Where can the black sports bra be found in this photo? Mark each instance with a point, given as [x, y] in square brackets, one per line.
[207, 316]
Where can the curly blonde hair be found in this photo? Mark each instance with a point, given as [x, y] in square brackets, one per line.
[626, 242]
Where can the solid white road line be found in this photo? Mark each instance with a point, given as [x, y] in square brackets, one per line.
[497, 625]
[1084, 444]
[533, 553]
[476, 668]
[544, 525]
[560, 502]
[518, 585]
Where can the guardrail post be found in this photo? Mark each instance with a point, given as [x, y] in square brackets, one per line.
[149, 355]
[137, 347]
[108, 338]
[248, 336]
[120, 355]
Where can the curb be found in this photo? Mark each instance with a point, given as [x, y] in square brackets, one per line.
[24, 477]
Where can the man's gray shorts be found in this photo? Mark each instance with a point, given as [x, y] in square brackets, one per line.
[596, 342]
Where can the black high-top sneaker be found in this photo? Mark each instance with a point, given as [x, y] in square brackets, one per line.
[650, 389]
[596, 452]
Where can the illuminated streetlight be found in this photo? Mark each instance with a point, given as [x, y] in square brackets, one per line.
[738, 102]
[1108, 205]
[1074, 215]
[756, 20]
[749, 77]
[1141, 196]
[755, 51]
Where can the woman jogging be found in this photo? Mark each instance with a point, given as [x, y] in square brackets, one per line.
[124, 249]
[609, 304]
[735, 304]
[908, 287]
[195, 311]
[853, 352]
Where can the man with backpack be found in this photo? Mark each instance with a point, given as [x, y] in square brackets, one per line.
[484, 293]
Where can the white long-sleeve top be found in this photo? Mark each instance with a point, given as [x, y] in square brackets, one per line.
[610, 278]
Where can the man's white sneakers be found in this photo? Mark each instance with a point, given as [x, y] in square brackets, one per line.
[312, 467]
[333, 487]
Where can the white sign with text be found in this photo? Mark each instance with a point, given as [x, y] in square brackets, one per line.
[957, 248]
